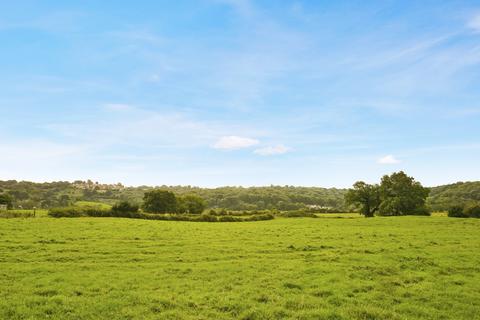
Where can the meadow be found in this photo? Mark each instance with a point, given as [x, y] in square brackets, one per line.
[333, 267]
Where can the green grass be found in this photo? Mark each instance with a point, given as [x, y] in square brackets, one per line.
[91, 204]
[325, 268]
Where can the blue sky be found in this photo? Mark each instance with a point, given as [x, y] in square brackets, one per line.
[233, 92]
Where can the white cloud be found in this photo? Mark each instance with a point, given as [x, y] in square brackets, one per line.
[388, 159]
[474, 23]
[234, 142]
[272, 150]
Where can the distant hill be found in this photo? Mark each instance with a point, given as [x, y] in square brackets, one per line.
[443, 197]
[53, 194]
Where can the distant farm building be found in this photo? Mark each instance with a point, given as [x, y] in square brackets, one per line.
[316, 207]
[3, 207]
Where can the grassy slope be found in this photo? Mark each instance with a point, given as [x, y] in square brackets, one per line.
[326, 268]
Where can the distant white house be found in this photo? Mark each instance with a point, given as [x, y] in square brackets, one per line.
[316, 206]
[3, 207]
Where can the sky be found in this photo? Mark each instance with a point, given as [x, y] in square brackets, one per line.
[237, 92]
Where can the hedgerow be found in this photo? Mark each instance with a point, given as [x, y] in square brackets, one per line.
[75, 212]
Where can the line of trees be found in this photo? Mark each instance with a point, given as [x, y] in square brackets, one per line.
[396, 195]
[62, 194]
[27, 195]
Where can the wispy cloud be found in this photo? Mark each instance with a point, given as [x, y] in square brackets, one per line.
[388, 159]
[272, 150]
[137, 127]
[235, 142]
[474, 23]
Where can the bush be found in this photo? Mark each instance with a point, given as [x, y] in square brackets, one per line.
[7, 200]
[67, 212]
[298, 214]
[260, 217]
[472, 211]
[457, 212]
[421, 211]
[206, 218]
[191, 204]
[125, 207]
[229, 219]
[160, 201]
[73, 212]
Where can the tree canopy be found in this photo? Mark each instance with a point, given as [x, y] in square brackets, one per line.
[366, 196]
[191, 203]
[5, 199]
[401, 195]
[160, 201]
[397, 194]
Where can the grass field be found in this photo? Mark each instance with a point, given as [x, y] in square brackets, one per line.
[326, 268]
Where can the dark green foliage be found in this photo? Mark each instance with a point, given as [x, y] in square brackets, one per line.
[260, 217]
[6, 199]
[397, 195]
[472, 211]
[191, 203]
[65, 200]
[229, 219]
[73, 212]
[160, 201]
[457, 212]
[421, 211]
[206, 218]
[76, 212]
[125, 207]
[401, 195]
[366, 196]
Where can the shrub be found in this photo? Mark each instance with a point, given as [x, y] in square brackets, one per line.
[74, 212]
[457, 212]
[67, 212]
[7, 200]
[472, 211]
[124, 207]
[260, 217]
[421, 211]
[191, 203]
[229, 219]
[160, 201]
[298, 214]
[206, 218]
